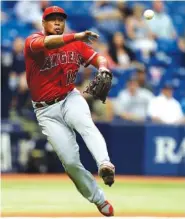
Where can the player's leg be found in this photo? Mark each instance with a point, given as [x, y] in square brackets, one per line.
[63, 140]
[78, 116]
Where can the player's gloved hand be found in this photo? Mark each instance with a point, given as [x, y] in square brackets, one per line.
[101, 85]
[86, 36]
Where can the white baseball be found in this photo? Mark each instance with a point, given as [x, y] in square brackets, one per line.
[149, 14]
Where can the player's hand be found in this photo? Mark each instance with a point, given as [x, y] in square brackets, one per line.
[86, 36]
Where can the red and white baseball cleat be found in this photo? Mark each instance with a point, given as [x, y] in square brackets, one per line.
[106, 209]
[107, 172]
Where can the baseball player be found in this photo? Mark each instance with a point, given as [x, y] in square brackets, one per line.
[52, 63]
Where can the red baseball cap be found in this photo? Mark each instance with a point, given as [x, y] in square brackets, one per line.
[54, 10]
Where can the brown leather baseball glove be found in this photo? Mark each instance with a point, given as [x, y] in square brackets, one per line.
[100, 86]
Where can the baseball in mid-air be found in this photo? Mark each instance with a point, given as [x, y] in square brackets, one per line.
[148, 14]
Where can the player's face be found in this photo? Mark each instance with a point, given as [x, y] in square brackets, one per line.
[54, 24]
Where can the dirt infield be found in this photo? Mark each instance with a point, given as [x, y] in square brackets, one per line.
[64, 177]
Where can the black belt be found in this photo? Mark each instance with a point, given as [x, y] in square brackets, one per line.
[56, 100]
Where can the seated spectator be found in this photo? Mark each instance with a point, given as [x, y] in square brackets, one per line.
[165, 108]
[181, 45]
[142, 79]
[18, 65]
[120, 53]
[124, 9]
[99, 111]
[104, 50]
[102, 112]
[6, 93]
[108, 17]
[17, 79]
[138, 31]
[4, 16]
[132, 102]
[31, 12]
[183, 105]
[161, 25]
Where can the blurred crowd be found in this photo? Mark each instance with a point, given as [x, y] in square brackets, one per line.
[129, 42]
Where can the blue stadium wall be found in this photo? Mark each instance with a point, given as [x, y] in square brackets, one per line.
[134, 149]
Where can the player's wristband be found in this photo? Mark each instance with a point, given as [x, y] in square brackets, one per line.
[68, 38]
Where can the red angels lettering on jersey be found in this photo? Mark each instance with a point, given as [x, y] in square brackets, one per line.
[51, 73]
[61, 58]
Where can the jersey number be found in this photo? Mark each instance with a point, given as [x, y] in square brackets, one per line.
[71, 76]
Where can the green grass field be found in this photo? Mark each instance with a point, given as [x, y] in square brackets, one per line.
[56, 195]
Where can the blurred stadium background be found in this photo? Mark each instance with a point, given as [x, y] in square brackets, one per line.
[143, 121]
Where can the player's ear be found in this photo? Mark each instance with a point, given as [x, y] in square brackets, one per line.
[43, 23]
